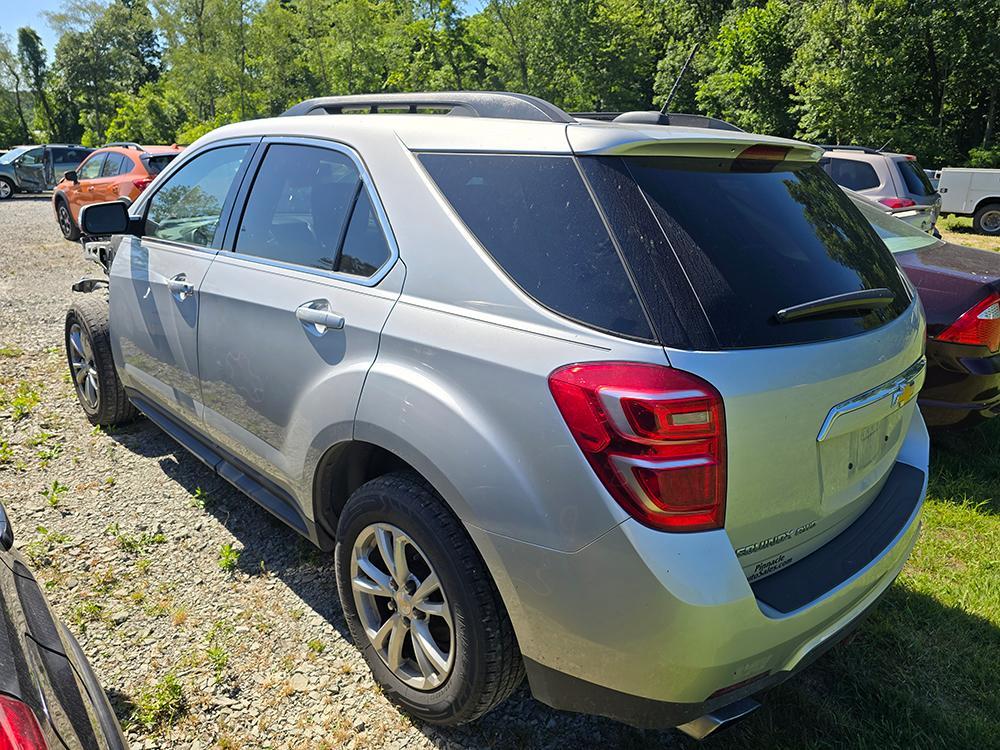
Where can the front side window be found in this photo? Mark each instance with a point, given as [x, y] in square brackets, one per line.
[534, 216]
[308, 207]
[188, 207]
[91, 169]
[33, 157]
[854, 175]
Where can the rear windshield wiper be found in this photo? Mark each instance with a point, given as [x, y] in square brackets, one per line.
[866, 299]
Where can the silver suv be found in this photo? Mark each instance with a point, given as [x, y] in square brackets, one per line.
[896, 181]
[629, 408]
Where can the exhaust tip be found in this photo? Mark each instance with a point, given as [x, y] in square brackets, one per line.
[721, 718]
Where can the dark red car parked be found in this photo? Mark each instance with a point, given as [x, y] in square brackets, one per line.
[960, 290]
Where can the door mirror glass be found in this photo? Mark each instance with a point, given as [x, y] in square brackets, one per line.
[104, 218]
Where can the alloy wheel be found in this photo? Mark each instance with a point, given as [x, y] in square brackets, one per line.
[402, 606]
[65, 222]
[81, 357]
[991, 221]
[5, 190]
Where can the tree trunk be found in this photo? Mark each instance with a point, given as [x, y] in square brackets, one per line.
[991, 119]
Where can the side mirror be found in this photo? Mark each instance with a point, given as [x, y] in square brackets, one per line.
[71, 176]
[104, 218]
[6, 530]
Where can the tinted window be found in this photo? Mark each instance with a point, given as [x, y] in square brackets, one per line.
[915, 178]
[365, 248]
[753, 238]
[187, 208]
[534, 216]
[855, 175]
[111, 165]
[91, 169]
[298, 206]
[127, 165]
[71, 156]
[156, 164]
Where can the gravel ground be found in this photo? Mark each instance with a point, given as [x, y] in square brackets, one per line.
[209, 623]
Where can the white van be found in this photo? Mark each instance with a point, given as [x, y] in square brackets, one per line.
[972, 192]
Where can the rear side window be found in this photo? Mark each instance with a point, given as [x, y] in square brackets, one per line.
[534, 216]
[897, 235]
[915, 178]
[854, 175]
[754, 238]
[112, 165]
[156, 164]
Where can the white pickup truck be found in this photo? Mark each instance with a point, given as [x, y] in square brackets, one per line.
[972, 192]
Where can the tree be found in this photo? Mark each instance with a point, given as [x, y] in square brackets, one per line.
[31, 54]
[10, 80]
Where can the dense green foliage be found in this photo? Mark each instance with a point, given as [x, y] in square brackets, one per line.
[918, 75]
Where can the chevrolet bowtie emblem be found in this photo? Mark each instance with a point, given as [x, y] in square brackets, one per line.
[904, 394]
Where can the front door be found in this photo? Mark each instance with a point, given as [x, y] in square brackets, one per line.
[291, 319]
[156, 279]
[30, 170]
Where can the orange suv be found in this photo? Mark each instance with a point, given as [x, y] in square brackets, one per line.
[117, 171]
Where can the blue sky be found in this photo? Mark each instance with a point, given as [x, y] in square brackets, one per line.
[17, 13]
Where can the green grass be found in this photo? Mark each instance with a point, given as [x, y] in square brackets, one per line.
[159, 705]
[924, 670]
[958, 229]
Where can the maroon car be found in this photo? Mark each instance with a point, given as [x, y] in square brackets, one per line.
[960, 290]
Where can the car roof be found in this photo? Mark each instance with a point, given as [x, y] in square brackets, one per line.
[432, 132]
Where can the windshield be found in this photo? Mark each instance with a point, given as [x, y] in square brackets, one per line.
[897, 235]
[915, 178]
[14, 153]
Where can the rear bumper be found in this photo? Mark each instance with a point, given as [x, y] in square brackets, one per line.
[648, 628]
[961, 380]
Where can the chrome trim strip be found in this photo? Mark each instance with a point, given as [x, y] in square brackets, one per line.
[894, 388]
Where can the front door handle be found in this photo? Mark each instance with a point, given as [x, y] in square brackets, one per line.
[319, 315]
[180, 287]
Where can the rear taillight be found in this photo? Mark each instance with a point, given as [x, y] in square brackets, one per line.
[19, 729]
[897, 202]
[142, 183]
[655, 436]
[980, 326]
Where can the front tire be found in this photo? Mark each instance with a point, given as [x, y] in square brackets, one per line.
[7, 189]
[421, 605]
[67, 226]
[92, 367]
[987, 219]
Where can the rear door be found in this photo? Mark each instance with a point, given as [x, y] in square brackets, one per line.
[817, 407]
[156, 278]
[291, 316]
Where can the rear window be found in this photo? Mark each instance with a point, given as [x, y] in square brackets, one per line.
[535, 217]
[915, 178]
[750, 238]
[156, 164]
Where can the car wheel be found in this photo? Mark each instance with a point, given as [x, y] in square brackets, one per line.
[421, 605]
[6, 189]
[987, 219]
[66, 223]
[91, 366]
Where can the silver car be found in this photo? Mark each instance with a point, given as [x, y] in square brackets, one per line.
[627, 408]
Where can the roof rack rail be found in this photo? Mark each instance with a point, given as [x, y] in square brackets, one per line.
[863, 149]
[493, 104]
[677, 119]
[124, 144]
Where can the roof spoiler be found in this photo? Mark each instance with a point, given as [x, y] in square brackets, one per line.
[677, 119]
[490, 104]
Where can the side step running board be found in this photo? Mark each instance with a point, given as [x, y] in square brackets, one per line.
[723, 717]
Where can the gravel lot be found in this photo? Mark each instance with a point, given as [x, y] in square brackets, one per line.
[133, 537]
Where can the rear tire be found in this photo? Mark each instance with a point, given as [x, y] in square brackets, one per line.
[7, 189]
[67, 226]
[483, 665]
[987, 219]
[92, 367]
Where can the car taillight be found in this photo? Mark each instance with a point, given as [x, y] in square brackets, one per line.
[142, 183]
[655, 436]
[897, 202]
[19, 729]
[979, 326]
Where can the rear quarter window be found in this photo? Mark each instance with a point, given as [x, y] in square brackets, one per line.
[917, 182]
[535, 217]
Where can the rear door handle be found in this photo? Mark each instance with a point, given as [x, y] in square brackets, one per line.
[179, 287]
[319, 315]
